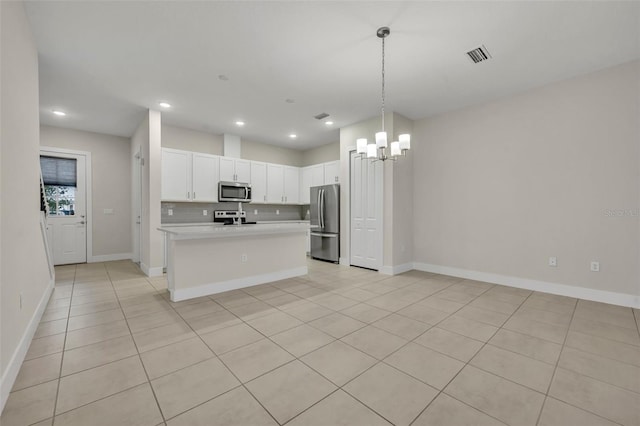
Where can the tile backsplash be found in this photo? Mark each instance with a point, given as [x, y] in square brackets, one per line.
[193, 212]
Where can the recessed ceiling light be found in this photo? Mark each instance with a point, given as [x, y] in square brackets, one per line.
[239, 123]
[59, 113]
[223, 77]
[289, 101]
[293, 136]
[328, 123]
[165, 104]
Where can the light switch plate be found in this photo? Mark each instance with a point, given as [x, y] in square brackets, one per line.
[108, 211]
[595, 266]
[553, 261]
[205, 212]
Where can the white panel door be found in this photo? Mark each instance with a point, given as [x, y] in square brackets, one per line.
[205, 178]
[366, 212]
[227, 169]
[67, 219]
[332, 172]
[275, 183]
[291, 184]
[176, 175]
[243, 171]
[258, 182]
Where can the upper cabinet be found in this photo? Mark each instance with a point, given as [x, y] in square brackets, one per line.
[189, 176]
[193, 176]
[258, 182]
[310, 176]
[283, 184]
[235, 170]
[332, 172]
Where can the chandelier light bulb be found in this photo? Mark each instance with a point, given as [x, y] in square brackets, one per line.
[361, 146]
[395, 148]
[405, 141]
[372, 152]
[381, 139]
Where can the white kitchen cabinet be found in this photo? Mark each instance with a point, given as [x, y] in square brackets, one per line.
[204, 177]
[235, 170]
[283, 184]
[310, 176]
[275, 183]
[258, 182]
[291, 185]
[188, 176]
[332, 172]
[176, 175]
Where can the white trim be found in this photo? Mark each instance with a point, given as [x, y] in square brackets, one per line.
[621, 299]
[88, 189]
[152, 272]
[395, 270]
[344, 261]
[110, 257]
[13, 367]
[222, 286]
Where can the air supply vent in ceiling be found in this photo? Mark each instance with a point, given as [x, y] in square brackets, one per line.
[478, 55]
[321, 116]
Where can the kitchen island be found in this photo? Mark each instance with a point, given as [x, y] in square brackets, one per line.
[210, 259]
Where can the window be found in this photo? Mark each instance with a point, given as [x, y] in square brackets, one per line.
[60, 183]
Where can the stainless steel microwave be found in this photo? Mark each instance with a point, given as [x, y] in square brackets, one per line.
[234, 191]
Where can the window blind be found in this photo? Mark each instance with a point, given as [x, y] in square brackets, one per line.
[58, 171]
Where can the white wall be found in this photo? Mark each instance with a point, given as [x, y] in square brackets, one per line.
[503, 186]
[24, 269]
[270, 153]
[147, 139]
[191, 140]
[320, 154]
[111, 186]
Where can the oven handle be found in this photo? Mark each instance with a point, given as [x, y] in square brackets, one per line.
[315, 234]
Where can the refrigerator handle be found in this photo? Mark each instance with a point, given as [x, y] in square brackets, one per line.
[322, 208]
[318, 204]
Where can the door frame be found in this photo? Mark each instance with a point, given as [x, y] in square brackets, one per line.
[64, 153]
[352, 151]
[136, 195]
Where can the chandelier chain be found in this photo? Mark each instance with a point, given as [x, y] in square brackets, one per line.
[383, 84]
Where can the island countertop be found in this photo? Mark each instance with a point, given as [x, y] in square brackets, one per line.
[221, 231]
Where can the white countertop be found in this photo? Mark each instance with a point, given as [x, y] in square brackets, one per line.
[260, 222]
[210, 230]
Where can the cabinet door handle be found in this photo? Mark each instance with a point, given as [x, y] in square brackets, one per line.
[194, 195]
[187, 195]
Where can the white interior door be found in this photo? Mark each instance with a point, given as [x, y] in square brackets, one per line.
[366, 212]
[65, 182]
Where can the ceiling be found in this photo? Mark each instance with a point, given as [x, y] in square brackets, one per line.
[105, 63]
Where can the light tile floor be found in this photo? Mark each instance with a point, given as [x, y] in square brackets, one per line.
[339, 346]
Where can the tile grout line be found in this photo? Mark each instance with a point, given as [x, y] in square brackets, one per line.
[137, 350]
[468, 363]
[55, 404]
[555, 369]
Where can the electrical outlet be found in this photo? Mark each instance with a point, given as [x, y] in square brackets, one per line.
[108, 211]
[243, 258]
[553, 261]
[205, 212]
[277, 211]
[595, 266]
[170, 212]
[255, 211]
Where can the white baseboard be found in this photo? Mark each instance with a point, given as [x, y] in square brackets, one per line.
[395, 270]
[13, 367]
[344, 261]
[621, 299]
[219, 287]
[110, 257]
[152, 272]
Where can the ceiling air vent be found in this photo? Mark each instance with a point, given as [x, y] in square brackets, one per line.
[321, 116]
[478, 55]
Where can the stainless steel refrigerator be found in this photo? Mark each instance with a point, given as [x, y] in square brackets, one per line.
[325, 222]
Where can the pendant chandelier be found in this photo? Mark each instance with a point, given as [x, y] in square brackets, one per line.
[377, 151]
